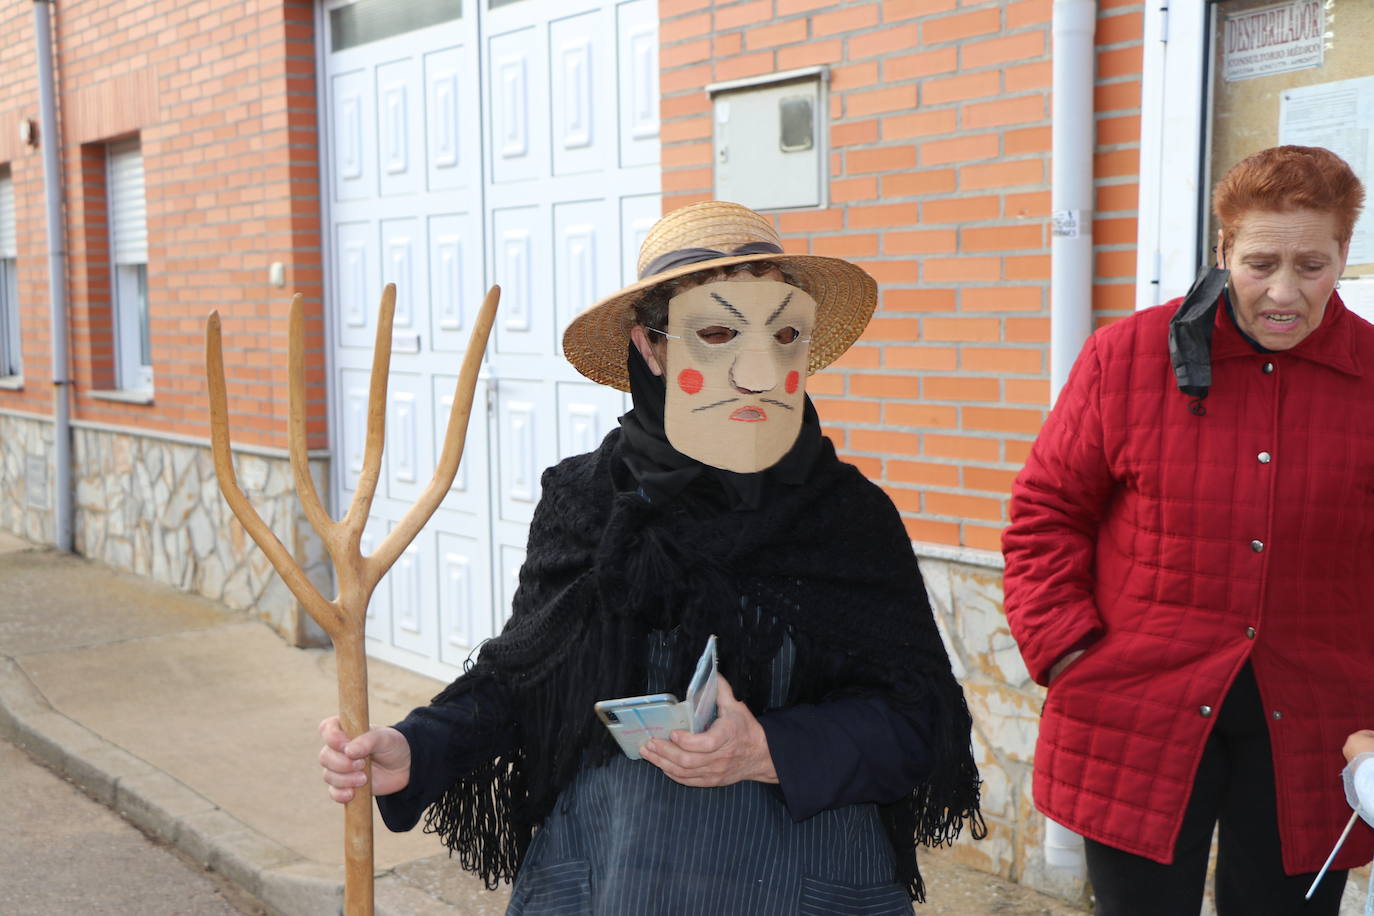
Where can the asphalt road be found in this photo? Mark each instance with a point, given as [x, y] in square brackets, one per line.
[62, 853]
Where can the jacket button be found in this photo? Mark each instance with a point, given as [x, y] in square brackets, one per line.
[1257, 546]
[1268, 368]
[1204, 711]
[1249, 632]
[1278, 714]
[1264, 457]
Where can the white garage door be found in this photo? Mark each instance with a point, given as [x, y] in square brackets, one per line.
[511, 142]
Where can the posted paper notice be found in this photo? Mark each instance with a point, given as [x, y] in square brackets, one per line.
[1338, 116]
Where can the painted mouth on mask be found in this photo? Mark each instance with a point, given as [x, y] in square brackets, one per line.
[749, 415]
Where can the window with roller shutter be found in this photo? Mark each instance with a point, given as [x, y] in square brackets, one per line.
[129, 259]
[10, 364]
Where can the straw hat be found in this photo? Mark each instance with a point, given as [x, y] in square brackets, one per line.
[596, 340]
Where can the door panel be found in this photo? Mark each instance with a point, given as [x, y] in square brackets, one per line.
[468, 492]
[455, 278]
[638, 214]
[414, 615]
[356, 282]
[585, 258]
[450, 115]
[582, 103]
[586, 411]
[520, 252]
[466, 612]
[399, 128]
[353, 394]
[517, 104]
[526, 445]
[399, 265]
[408, 457]
[354, 135]
[637, 30]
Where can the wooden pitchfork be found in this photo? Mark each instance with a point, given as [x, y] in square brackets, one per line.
[345, 617]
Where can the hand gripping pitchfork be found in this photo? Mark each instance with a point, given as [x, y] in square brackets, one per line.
[344, 618]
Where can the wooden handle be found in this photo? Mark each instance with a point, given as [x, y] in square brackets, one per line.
[350, 656]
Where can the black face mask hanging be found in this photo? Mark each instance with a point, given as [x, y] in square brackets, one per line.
[1190, 332]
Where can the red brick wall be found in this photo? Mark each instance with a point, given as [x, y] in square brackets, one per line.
[939, 187]
[19, 80]
[222, 98]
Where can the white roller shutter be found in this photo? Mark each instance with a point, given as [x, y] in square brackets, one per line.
[9, 246]
[128, 209]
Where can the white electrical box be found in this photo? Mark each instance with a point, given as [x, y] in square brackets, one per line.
[769, 140]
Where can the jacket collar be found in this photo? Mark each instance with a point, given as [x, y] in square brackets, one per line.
[1332, 344]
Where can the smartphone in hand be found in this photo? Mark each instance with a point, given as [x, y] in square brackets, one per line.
[633, 721]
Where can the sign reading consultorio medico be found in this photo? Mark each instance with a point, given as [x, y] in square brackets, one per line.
[1273, 39]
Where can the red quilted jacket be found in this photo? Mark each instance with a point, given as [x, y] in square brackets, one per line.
[1177, 545]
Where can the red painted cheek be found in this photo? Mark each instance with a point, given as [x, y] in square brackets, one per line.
[690, 381]
[793, 380]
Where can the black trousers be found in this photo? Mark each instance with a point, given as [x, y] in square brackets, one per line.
[1234, 789]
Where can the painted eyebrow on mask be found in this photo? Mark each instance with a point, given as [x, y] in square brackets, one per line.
[778, 311]
[726, 302]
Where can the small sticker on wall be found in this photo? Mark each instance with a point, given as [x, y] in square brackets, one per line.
[1273, 39]
[1065, 224]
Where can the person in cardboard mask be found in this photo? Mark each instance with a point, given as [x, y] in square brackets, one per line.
[717, 508]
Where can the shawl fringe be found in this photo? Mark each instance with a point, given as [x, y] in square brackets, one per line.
[473, 818]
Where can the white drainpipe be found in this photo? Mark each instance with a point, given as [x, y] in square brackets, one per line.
[1073, 136]
[50, 141]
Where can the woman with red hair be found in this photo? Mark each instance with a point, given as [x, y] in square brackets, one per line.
[1187, 565]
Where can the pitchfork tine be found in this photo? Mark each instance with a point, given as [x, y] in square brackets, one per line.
[376, 418]
[300, 459]
[454, 438]
[286, 566]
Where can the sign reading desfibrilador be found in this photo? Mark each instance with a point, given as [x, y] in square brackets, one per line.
[1272, 39]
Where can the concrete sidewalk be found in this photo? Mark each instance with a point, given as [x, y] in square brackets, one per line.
[198, 725]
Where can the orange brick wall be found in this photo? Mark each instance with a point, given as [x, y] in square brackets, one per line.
[222, 97]
[939, 187]
[19, 81]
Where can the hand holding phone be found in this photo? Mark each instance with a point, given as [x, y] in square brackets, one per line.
[633, 721]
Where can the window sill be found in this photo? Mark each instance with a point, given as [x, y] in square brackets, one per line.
[123, 396]
[11, 382]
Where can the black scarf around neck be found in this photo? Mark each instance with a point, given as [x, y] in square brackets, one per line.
[664, 473]
[825, 560]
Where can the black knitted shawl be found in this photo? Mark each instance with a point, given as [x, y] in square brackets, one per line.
[827, 561]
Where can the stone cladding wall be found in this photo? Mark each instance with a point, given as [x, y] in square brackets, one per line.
[152, 505]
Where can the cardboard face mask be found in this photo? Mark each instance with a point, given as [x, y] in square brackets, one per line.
[736, 371]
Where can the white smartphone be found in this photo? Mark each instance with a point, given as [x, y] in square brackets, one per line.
[633, 721]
